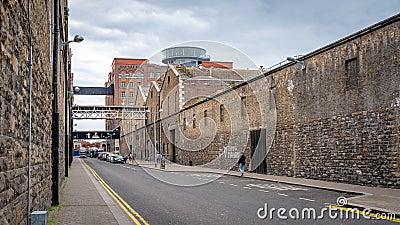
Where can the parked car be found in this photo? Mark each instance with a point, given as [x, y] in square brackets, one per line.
[117, 159]
[104, 156]
[109, 157]
[82, 153]
[94, 152]
[101, 155]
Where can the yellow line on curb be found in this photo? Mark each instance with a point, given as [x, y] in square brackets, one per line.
[378, 216]
[123, 204]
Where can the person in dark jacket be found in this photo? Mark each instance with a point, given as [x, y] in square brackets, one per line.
[242, 162]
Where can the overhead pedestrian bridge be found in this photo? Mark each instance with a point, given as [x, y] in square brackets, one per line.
[109, 112]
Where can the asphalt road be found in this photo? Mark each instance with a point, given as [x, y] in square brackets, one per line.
[207, 198]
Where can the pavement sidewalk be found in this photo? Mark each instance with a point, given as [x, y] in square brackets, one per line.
[84, 201]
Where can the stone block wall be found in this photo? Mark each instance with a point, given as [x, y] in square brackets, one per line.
[14, 110]
[338, 120]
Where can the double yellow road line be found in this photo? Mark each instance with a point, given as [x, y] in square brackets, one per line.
[135, 216]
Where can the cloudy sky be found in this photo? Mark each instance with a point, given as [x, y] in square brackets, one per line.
[267, 31]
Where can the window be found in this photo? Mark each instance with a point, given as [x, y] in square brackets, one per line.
[131, 95]
[131, 103]
[123, 84]
[158, 74]
[194, 120]
[123, 94]
[352, 73]
[122, 103]
[138, 75]
[123, 74]
[221, 113]
[130, 74]
[138, 84]
[168, 79]
[243, 107]
[131, 84]
[184, 123]
[151, 74]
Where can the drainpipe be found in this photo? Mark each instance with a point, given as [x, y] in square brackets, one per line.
[66, 110]
[30, 115]
[55, 125]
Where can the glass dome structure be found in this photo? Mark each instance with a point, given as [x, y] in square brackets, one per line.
[183, 55]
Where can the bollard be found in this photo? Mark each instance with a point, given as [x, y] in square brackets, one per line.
[162, 165]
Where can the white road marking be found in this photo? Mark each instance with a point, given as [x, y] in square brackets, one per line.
[221, 182]
[307, 199]
[264, 190]
[276, 187]
[234, 185]
[247, 188]
[283, 194]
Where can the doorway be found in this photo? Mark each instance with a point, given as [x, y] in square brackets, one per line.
[172, 146]
[258, 151]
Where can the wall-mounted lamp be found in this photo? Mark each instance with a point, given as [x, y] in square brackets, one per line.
[291, 59]
[78, 38]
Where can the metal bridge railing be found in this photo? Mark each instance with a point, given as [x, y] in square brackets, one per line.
[108, 112]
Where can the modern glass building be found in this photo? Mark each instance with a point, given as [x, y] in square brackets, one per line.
[184, 55]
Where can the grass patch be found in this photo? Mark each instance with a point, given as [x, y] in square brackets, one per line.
[58, 207]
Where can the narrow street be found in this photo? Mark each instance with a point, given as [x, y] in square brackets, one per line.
[206, 198]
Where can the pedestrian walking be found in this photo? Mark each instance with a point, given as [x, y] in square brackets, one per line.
[242, 162]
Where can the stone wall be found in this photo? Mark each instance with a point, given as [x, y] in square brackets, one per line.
[14, 110]
[339, 119]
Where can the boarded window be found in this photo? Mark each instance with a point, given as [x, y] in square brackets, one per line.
[352, 73]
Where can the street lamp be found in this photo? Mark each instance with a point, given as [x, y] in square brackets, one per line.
[154, 133]
[68, 101]
[78, 38]
[292, 59]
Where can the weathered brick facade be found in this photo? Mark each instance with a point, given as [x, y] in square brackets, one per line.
[337, 120]
[14, 108]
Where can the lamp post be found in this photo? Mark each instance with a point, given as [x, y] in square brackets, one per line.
[136, 125]
[154, 134]
[134, 128]
[68, 101]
